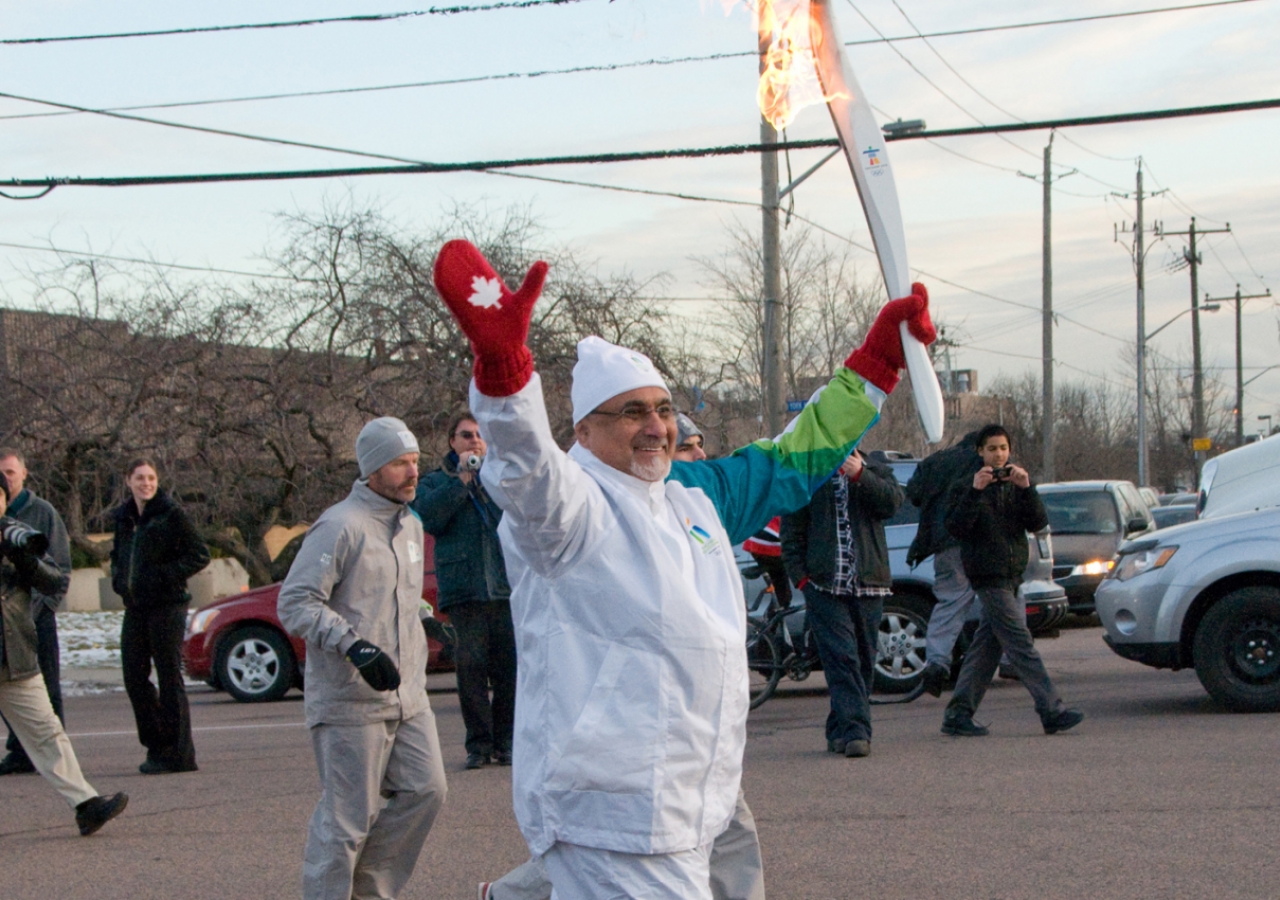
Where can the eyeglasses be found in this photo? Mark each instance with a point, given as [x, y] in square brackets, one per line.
[638, 412]
[467, 435]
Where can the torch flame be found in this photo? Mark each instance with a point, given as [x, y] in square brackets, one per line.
[788, 73]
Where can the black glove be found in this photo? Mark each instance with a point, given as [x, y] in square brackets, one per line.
[16, 536]
[375, 666]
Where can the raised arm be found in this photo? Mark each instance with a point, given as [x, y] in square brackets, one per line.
[777, 476]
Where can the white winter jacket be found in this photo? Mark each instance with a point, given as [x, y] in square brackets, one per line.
[630, 622]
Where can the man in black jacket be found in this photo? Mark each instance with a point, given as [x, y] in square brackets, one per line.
[834, 550]
[26, 568]
[37, 513]
[471, 577]
[991, 516]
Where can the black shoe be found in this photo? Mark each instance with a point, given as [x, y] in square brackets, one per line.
[502, 757]
[857, 748]
[16, 764]
[935, 679]
[1062, 720]
[159, 765]
[476, 760]
[962, 725]
[92, 814]
[835, 745]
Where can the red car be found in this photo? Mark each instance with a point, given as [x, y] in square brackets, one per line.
[237, 644]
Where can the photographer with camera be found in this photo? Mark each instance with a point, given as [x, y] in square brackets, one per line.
[27, 569]
[991, 516]
[37, 513]
[471, 577]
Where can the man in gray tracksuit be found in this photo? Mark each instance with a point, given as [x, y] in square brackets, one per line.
[354, 594]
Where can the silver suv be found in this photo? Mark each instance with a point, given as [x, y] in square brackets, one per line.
[1205, 594]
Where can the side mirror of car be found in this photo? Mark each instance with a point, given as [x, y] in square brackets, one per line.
[1137, 523]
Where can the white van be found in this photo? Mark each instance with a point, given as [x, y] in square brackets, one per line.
[1241, 480]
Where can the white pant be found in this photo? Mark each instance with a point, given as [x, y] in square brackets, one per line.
[589, 873]
[736, 870]
[25, 703]
[383, 786]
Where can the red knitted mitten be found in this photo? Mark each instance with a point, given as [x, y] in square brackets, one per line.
[880, 357]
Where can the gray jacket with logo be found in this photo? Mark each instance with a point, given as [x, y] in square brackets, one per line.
[358, 576]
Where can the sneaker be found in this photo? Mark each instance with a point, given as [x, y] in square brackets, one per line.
[1062, 720]
[16, 764]
[476, 760]
[935, 679]
[962, 725]
[857, 748]
[92, 814]
[834, 745]
[502, 757]
[483, 893]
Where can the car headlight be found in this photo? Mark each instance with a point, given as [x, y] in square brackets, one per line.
[1093, 567]
[1134, 564]
[201, 621]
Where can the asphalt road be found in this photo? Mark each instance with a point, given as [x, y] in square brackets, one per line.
[1157, 795]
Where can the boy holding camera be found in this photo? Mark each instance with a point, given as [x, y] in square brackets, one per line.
[990, 517]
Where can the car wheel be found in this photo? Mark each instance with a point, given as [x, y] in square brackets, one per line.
[1237, 650]
[902, 655]
[255, 664]
[764, 660]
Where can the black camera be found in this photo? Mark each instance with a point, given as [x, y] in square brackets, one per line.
[1001, 473]
[15, 536]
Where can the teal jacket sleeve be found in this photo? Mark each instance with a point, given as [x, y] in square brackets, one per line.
[776, 476]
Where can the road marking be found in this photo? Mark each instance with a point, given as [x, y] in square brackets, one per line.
[91, 734]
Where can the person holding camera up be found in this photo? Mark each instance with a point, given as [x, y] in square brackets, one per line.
[991, 516]
[472, 580]
[26, 568]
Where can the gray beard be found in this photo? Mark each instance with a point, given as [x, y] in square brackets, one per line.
[653, 471]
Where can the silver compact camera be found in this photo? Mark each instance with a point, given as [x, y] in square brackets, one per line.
[472, 462]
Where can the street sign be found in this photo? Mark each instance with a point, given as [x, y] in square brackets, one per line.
[1199, 444]
[796, 405]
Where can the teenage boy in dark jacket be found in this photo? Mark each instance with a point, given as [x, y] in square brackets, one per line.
[991, 516]
[835, 551]
[471, 577]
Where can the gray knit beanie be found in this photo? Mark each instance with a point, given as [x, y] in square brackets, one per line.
[685, 429]
[381, 441]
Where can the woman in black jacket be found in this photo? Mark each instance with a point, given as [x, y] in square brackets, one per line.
[156, 550]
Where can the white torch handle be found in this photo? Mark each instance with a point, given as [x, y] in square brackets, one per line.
[924, 385]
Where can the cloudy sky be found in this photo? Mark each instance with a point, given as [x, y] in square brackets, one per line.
[972, 222]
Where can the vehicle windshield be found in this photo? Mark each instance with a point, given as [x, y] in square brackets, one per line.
[1085, 512]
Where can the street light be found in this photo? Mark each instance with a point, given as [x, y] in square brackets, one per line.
[1208, 307]
[1142, 355]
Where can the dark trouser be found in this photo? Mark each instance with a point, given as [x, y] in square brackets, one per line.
[772, 566]
[1003, 625]
[847, 630]
[486, 659]
[50, 661]
[164, 722]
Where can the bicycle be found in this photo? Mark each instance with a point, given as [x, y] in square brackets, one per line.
[772, 652]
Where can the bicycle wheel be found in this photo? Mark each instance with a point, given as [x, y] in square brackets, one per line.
[764, 661]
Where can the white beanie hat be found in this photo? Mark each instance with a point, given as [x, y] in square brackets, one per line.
[381, 441]
[604, 371]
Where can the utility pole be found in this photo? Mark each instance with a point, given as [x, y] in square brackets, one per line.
[1239, 299]
[1198, 437]
[1139, 264]
[771, 344]
[1046, 317]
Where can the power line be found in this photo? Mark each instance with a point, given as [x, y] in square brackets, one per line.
[608, 67]
[297, 23]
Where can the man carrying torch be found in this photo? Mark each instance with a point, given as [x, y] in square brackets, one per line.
[632, 691]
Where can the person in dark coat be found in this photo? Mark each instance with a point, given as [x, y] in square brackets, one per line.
[37, 513]
[835, 551]
[156, 549]
[990, 515]
[471, 578]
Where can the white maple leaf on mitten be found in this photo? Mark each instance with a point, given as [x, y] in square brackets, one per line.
[485, 292]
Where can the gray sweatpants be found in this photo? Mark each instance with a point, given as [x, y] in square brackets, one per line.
[1003, 625]
[737, 872]
[383, 784]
